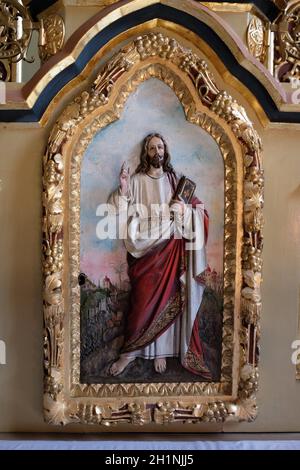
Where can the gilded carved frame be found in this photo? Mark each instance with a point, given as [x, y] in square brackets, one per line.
[66, 400]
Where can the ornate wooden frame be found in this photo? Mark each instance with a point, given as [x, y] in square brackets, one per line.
[66, 400]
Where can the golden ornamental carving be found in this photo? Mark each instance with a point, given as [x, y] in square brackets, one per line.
[5, 71]
[89, 3]
[287, 43]
[53, 36]
[151, 55]
[281, 4]
[256, 38]
[13, 40]
[172, 412]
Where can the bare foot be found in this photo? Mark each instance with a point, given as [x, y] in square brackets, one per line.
[160, 364]
[120, 365]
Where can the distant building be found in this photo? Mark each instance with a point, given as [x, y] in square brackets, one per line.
[106, 283]
[213, 280]
[85, 283]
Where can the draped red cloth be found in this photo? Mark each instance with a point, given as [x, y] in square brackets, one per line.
[157, 299]
[155, 284]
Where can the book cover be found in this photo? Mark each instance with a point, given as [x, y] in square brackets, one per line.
[185, 190]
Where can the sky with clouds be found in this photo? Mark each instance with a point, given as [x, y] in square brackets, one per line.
[152, 108]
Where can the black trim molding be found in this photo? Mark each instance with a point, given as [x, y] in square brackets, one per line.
[163, 12]
[267, 7]
[38, 6]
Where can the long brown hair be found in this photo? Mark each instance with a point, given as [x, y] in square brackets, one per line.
[144, 165]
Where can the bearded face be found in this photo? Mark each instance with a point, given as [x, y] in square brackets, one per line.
[156, 152]
[157, 161]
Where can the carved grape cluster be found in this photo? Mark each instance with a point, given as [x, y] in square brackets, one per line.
[51, 175]
[155, 44]
[216, 412]
[89, 102]
[53, 258]
[139, 415]
[252, 257]
[191, 61]
[52, 386]
[222, 106]
[249, 381]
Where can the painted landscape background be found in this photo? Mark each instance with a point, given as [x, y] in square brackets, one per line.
[104, 283]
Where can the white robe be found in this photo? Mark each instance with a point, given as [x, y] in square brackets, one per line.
[144, 197]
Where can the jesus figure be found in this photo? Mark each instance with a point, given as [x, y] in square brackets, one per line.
[164, 267]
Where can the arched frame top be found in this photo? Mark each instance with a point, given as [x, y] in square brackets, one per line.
[69, 67]
[219, 115]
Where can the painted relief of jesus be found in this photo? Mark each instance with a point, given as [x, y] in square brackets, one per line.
[164, 267]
